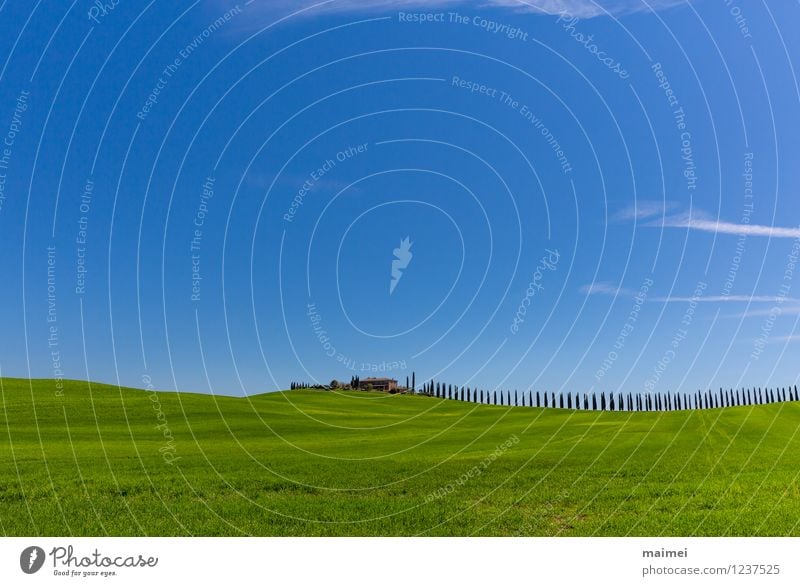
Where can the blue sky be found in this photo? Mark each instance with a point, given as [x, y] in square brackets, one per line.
[596, 195]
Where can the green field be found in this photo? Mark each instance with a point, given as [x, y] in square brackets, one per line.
[93, 462]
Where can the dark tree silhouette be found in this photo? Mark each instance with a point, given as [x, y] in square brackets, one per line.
[594, 401]
[538, 403]
[545, 400]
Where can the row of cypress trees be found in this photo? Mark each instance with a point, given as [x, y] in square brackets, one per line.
[613, 401]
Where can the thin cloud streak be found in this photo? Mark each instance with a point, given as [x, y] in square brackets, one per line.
[573, 8]
[790, 305]
[783, 311]
[729, 298]
[704, 224]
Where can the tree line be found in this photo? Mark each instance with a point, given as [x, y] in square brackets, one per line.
[666, 401]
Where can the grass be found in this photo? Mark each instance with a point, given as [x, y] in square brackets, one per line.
[94, 462]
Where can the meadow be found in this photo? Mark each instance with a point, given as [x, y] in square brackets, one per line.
[94, 459]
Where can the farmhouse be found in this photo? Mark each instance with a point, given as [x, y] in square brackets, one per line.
[380, 384]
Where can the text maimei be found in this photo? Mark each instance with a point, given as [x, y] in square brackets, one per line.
[549, 262]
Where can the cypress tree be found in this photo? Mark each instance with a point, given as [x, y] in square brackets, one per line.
[538, 402]
[561, 400]
[569, 400]
[545, 400]
[413, 382]
[585, 401]
[594, 401]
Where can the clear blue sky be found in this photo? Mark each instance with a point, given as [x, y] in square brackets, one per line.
[603, 199]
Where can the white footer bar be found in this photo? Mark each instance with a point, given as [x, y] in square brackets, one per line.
[400, 561]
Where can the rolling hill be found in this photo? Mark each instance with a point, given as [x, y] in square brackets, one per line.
[103, 460]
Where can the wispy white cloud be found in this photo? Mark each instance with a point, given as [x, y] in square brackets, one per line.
[606, 288]
[645, 209]
[575, 8]
[702, 222]
[728, 299]
[788, 305]
[784, 339]
[793, 309]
